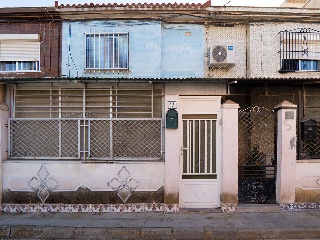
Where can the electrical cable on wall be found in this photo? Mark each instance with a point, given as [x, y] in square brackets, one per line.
[70, 54]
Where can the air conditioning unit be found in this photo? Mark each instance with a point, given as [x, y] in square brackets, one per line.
[222, 56]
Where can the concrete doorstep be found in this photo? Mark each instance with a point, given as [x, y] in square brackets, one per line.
[185, 225]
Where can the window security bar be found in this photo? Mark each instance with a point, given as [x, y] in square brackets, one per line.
[299, 50]
[107, 51]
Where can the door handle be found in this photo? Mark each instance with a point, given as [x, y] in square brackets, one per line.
[181, 149]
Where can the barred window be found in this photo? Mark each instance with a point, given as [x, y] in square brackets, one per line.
[299, 50]
[107, 51]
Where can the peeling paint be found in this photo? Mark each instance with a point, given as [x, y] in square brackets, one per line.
[293, 143]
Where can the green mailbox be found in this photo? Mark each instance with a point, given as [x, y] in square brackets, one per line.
[172, 119]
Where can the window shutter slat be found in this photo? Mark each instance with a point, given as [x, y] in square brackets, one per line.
[19, 50]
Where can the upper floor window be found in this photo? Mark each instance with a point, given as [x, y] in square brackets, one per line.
[19, 52]
[107, 51]
[299, 50]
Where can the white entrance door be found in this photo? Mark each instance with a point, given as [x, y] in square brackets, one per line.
[199, 165]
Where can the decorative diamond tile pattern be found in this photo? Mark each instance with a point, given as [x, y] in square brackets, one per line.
[124, 193]
[133, 183]
[34, 183]
[123, 174]
[123, 184]
[115, 183]
[52, 183]
[42, 185]
[43, 173]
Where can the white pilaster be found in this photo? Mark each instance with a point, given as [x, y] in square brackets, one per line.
[172, 156]
[286, 152]
[229, 173]
[4, 116]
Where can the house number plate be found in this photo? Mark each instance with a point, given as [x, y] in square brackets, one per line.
[289, 115]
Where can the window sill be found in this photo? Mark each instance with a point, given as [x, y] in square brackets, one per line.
[308, 161]
[6, 72]
[107, 70]
[298, 71]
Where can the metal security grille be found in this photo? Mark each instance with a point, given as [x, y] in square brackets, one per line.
[113, 139]
[43, 138]
[199, 147]
[138, 138]
[257, 160]
[100, 138]
[256, 136]
[105, 51]
[311, 148]
[125, 139]
[101, 121]
[299, 50]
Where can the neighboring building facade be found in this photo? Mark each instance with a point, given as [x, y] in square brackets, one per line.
[301, 4]
[137, 109]
[275, 59]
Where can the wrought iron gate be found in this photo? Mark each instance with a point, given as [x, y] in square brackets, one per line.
[257, 155]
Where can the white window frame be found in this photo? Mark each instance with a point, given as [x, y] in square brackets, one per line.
[20, 50]
[101, 51]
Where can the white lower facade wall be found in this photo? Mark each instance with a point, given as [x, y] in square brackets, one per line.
[307, 181]
[62, 176]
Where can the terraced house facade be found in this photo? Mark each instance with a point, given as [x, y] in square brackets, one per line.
[152, 107]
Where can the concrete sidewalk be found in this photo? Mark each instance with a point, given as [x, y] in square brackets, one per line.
[185, 225]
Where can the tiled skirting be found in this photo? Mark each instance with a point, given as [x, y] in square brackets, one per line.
[91, 208]
[229, 207]
[129, 208]
[299, 206]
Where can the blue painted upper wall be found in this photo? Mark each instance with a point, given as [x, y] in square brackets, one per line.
[182, 51]
[156, 50]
